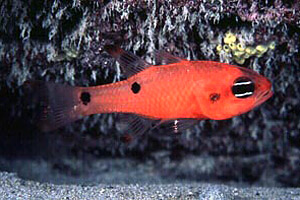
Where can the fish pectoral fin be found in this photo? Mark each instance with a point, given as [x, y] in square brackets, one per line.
[165, 58]
[172, 126]
[130, 63]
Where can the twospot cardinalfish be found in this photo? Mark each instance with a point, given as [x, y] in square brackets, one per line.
[179, 92]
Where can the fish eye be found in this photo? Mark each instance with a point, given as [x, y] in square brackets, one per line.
[243, 87]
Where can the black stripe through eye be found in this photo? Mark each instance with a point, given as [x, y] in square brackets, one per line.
[243, 87]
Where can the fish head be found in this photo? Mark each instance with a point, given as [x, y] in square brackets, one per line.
[233, 91]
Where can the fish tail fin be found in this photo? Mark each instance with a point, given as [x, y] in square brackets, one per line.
[57, 104]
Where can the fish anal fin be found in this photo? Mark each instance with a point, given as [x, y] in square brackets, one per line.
[165, 58]
[136, 125]
[130, 63]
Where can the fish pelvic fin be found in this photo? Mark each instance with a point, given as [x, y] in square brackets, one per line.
[57, 104]
[174, 126]
[130, 63]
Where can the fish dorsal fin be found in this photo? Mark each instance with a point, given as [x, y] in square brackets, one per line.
[130, 63]
[165, 58]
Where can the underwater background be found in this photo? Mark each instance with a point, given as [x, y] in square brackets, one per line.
[62, 41]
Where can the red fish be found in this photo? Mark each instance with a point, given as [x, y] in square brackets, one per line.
[179, 91]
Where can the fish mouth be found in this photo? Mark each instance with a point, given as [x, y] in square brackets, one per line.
[262, 97]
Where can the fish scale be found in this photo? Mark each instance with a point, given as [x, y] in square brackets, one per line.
[164, 96]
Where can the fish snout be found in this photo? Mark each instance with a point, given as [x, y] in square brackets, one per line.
[265, 87]
[264, 91]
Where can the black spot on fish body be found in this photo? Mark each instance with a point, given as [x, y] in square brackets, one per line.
[135, 87]
[85, 98]
[214, 97]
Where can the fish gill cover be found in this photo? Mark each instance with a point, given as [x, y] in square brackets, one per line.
[62, 41]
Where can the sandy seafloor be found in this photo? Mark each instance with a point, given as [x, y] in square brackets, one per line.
[121, 179]
[13, 187]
